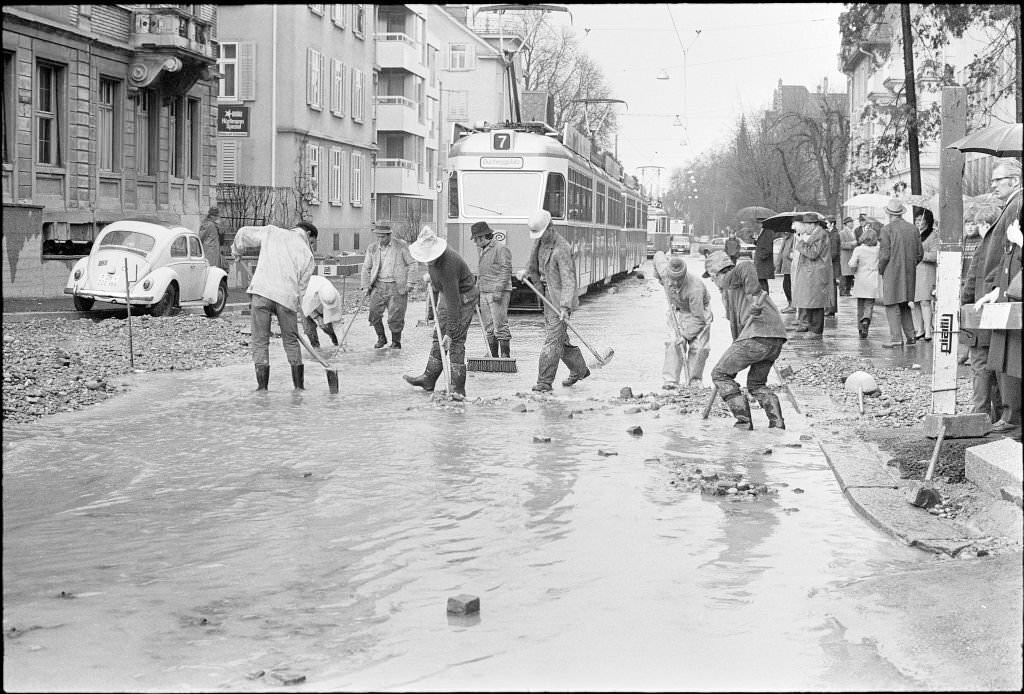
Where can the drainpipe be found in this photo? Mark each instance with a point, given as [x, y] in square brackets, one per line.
[273, 101]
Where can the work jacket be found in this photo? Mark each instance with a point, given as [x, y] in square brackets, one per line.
[494, 269]
[740, 291]
[688, 297]
[285, 263]
[402, 260]
[899, 252]
[552, 265]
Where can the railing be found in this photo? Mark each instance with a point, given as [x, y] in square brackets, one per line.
[170, 29]
[396, 100]
[396, 164]
[394, 36]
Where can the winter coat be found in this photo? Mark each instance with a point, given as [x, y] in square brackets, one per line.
[924, 281]
[864, 264]
[812, 280]
[835, 247]
[689, 298]
[763, 252]
[552, 264]
[847, 242]
[974, 284]
[209, 234]
[899, 252]
[1004, 354]
[784, 263]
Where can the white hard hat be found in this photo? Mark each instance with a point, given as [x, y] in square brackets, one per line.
[538, 222]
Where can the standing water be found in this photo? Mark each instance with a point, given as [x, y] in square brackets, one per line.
[203, 534]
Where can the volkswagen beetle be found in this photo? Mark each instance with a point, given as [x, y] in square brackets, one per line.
[165, 266]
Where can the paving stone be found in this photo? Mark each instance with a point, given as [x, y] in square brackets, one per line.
[992, 466]
[855, 465]
[635, 431]
[463, 604]
[889, 510]
[958, 426]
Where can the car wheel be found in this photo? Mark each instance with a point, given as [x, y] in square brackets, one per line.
[83, 303]
[216, 308]
[168, 304]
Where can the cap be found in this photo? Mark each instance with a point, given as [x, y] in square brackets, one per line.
[716, 262]
[676, 269]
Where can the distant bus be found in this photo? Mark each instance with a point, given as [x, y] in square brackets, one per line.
[658, 234]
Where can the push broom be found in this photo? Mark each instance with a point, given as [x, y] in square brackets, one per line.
[498, 364]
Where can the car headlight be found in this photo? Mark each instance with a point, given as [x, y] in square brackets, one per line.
[146, 284]
[78, 275]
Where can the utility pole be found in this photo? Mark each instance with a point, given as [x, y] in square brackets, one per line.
[908, 81]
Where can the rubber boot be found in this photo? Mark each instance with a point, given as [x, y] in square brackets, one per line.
[492, 344]
[863, 326]
[503, 349]
[396, 339]
[740, 409]
[429, 376]
[262, 377]
[458, 381]
[697, 359]
[769, 402]
[382, 339]
[577, 363]
[298, 374]
[332, 381]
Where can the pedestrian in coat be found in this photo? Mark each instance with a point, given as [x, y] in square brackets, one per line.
[899, 252]
[866, 284]
[688, 320]
[862, 225]
[1004, 284]
[732, 245]
[277, 287]
[385, 279]
[764, 260]
[847, 242]
[985, 396]
[835, 251]
[756, 345]
[553, 271]
[924, 280]
[494, 275]
[783, 266]
[813, 283]
[455, 290]
[209, 234]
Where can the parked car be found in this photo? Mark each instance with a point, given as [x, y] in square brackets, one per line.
[165, 266]
[681, 245]
[715, 244]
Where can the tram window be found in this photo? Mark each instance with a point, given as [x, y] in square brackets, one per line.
[554, 195]
[509, 193]
[453, 195]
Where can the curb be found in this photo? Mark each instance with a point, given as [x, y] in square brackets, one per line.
[882, 499]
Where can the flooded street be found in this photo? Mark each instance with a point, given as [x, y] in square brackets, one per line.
[206, 534]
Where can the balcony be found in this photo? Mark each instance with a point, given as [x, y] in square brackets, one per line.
[172, 45]
[399, 114]
[398, 50]
[400, 177]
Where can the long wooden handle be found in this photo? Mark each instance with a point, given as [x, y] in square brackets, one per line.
[935, 454]
[440, 339]
[567, 323]
[711, 401]
[352, 319]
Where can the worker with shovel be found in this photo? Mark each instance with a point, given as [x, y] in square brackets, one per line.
[454, 288]
[551, 268]
[688, 320]
[758, 335]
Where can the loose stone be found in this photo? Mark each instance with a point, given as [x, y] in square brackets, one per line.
[463, 604]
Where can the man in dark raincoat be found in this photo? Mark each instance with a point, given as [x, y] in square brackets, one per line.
[812, 282]
[899, 252]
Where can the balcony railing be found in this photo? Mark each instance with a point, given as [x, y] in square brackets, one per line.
[396, 100]
[396, 164]
[394, 36]
[167, 28]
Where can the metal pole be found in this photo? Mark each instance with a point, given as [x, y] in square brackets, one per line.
[127, 301]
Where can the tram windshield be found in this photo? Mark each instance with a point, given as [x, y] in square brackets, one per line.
[507, 193]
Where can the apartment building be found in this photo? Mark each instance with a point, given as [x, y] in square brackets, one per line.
[108, 113]
[296, 132]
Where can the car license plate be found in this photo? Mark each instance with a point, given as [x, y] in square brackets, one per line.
[108, 281]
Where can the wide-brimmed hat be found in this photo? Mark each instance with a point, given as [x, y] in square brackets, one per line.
[379, 228]
[538, 223]
[480, 229]
[716, 262]
[427, 246]
[676, 269]
[895, 206]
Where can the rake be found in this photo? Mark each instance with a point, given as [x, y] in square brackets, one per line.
[496, 364]
[602, 359]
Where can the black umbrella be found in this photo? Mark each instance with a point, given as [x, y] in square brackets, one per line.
[1003, 140]
[752, 214]
[782, 222]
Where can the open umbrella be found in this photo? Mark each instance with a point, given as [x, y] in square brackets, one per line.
[1003, 140]
[782, 222]
[867, 200]
[754, 213]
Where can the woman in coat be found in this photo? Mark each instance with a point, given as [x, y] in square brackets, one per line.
[866, 287]
[924, 284]
[813, 282]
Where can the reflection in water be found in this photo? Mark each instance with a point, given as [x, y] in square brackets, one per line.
[323, 535]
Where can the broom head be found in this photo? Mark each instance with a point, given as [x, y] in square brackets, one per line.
[492, 364]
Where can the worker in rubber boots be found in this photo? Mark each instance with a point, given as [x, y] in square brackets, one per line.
[758, 335]
[321, 307]
[494, 275]
[384, 279]
[277, 287]
[455, 290]
[687, 317]
[551, 269]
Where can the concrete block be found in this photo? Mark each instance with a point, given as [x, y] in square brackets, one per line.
[855, 465]
[463, 604]
[958, 426]
[992, 466]
[1012, 494]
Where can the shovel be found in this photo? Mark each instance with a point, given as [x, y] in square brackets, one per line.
[602, 359]
[924, 495]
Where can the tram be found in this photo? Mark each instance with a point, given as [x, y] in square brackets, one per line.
[501, 174]
[658, 232]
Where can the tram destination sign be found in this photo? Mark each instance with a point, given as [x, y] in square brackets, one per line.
[233, 120]
[501, 162]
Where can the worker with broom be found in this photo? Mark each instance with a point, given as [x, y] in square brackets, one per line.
[758, 335]
[455, 290]
[494, 276]
[551, 268]
[688, 321]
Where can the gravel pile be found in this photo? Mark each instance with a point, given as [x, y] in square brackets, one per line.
[61, 365]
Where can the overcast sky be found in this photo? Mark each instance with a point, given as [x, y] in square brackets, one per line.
[733, 67]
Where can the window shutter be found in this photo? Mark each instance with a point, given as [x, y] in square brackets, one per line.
[344, 88]
[310, 74]
[322, 81]
[320, 188]
[247, 71]
[228, 161]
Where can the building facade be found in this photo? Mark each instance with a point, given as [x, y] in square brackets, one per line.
[296, 119]
[108, 113]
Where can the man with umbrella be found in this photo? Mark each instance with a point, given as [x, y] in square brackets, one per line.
[899, 252]
[812, 281]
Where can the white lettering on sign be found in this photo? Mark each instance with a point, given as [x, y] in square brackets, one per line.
[501, 162]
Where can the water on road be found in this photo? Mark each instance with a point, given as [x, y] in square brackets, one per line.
[204, 534]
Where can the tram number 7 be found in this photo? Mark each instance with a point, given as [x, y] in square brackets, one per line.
[502, 141]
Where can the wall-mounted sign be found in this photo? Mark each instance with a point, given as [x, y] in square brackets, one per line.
[501, 162]
[233, 120]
